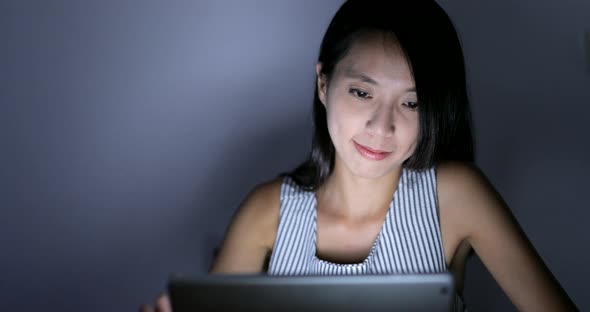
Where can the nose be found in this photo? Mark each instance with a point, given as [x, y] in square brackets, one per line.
[381, 121]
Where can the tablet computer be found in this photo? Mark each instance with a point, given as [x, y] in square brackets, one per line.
[232, 293]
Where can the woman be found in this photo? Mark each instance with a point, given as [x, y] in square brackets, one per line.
[390, 186]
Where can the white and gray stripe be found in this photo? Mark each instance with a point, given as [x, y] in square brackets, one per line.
[409, 241]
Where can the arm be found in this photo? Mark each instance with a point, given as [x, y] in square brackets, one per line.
[248, 239]
[251, 233]
[485, 221]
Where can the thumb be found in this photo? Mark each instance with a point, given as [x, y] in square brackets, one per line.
[163, 303]
[145, 308]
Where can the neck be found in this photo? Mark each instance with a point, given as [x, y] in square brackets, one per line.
[352, 197]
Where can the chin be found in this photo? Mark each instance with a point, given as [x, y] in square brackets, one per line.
[371, 175]
[373, 172]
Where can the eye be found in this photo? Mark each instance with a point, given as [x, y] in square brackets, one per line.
[359, 93]
[411, 105]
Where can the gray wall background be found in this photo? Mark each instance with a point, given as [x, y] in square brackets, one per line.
[131, 130]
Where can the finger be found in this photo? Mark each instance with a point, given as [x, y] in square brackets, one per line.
[145, 308]
[163, 304]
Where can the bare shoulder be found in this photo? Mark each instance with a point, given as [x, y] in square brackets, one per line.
[465, 195]
[260, 209]
[262, 203]
[475, 209]
[454, 181]
[478, 214]
[251, 233]
[456, 177]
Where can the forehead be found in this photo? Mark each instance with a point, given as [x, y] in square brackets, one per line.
[378, 55]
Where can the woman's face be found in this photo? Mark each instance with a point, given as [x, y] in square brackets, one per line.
[371, 106]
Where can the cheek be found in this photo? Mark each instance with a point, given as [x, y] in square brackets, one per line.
[344, 122]
[409, 121]
[406, 131]
[335, 125]
[412, 133]
[415, 128]
[334, 114]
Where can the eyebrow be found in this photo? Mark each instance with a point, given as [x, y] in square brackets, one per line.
[351, 73]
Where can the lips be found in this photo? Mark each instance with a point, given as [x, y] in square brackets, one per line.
[370, 153]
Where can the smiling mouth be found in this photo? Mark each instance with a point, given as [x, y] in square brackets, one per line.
[370, 153]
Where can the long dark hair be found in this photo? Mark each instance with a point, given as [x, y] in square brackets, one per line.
[428, 38]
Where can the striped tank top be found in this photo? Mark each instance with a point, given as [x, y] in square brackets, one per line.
[409, 240]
